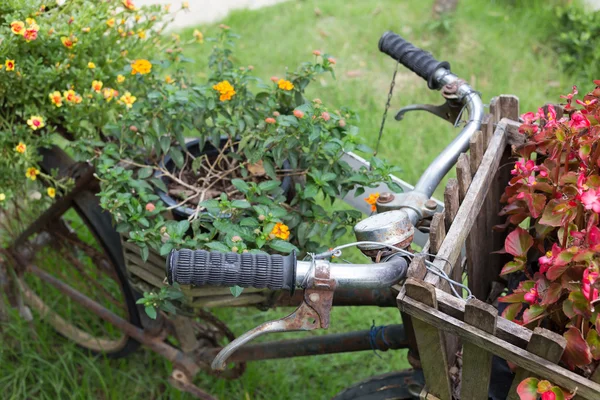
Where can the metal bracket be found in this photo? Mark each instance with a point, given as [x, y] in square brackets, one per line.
[449, 111]
[312, 314]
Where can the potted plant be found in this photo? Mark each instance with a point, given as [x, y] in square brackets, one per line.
[553, 207]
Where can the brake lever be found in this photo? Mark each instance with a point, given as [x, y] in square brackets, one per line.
[312, 314]
[449, 111]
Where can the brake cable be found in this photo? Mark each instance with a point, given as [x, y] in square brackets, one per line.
[387, 107]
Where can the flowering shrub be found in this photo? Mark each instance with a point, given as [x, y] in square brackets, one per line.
[553, 200]
[264, 133]
[61, 67]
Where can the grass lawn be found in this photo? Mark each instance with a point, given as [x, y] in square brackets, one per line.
[499, 49]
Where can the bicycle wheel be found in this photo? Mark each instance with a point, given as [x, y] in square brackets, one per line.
[402, 385]
[79, 249]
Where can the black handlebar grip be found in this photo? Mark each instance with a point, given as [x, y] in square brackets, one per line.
[417, 60]
[204, 268]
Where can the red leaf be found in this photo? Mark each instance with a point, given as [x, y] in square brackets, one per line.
[577, 353]
[532, 312]
[593, 340]
[513, 298]
[527, 389]
[594, 236]
[512, 266]
[580, 304]
[551, 294]
[518, 242]
[549, 217]
[536, 203]
[511, 312]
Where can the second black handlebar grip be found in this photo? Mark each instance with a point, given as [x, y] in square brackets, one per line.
[417, 60]
[204, 268]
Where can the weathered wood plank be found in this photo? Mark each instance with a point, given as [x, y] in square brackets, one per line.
[558, 375]
[471, 205]
[463, 175]
[544, 343]
[487, 128]
[416, 268]
[477, 363]
[475, 151]
[437, 233]
[451, 202]
[432, 349]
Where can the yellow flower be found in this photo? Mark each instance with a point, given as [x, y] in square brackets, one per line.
[87, 29]
[91, 65]
[69, 43]
[120, 79]
[281, 231]
[137, 18]
[21, 148]
[372, 200]
[168, 79]
[2, 197]
[51, 192]
[56, 98]
[71, 97]
[122, 21]
[141, 67]
[30, 21]
[141, 34]
[35, 122]
[128, 99]
[109, 94]
[176, 37]
[185, 5]
[17, 27]
[32, 173]
[110, 22]
[167, 7]
[97, 86]
[285, 85]
[225, 89]
[10, 65]
[198, 36]
[129, 5]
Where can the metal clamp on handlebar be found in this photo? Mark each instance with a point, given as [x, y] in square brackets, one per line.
[312, 314]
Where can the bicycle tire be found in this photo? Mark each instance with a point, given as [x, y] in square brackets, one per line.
[391, 386]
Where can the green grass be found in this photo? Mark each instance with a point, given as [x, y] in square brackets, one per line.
[497, 48]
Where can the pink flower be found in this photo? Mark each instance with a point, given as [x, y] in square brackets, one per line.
[529, 118]
[276, 113]
[591, 200]
[570, 95]
[150, 207]
[550, 117]
[270, 120]
[532, 296]
[298, 114]
[578, 121]
[274, 78]
[549, 395]
[325, 116]
[342, 123]
[331, 60]
[548, 259]
[589, 278]
[586, 103]
[317, 52]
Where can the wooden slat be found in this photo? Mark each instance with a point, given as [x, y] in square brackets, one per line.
[416, 268]
[556, 374]
[477, 363]
[544, 343]
[475, 151]
[432, 349]
[437, 233]
[594, 378]
[451, 202]
[487, 128]
[471, 205]
[463, 175]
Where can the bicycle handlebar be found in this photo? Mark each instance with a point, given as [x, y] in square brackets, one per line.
[204, 268]
[417, 60]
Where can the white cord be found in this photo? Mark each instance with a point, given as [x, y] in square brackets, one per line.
[431, 267]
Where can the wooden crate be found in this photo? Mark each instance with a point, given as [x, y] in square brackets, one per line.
[150, 275]
[442, 321]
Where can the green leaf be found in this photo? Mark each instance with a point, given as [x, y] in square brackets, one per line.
[166, 248]
[269, 168]
[182, 227]
[532, 312]
[159, 184]
[177, 156]
[512, 266]
[282, 246]
[236, 291]
[240, 204]
[240, 185]
[249, 221]
[150, 311]
[593, 341]
[394, 187]
[310, 191]
[144, 252]
[218, 246]
[144, 173]
[165, 143]
[267, 186]
[511, 311]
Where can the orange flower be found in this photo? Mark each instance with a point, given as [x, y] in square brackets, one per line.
[198, 36]
[331, 60]
[225, 89]
[281, 231]
[372, 200]
[21, 148]
[97, 86]
[35, 122]
[128, 99]
[91, 65]
[141, 67]
[110, 22]
[56, 98]
[17, 27]
[30, 34]
[109, 94]
[10, 65]
[129, 5]
[68, 42]
[298, 114]
[270, 120]
[71, 97]
[285, 85]
[32, 173]
[168, 79]
[120, 79]
[51, 192]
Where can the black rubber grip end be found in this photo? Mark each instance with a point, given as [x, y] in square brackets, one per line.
[204, 268]
[417, 60]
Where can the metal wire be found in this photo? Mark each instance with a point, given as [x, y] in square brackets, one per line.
[431, 267]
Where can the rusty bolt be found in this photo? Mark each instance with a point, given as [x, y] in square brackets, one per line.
[385, 197]
[431, 204]
[314, 297]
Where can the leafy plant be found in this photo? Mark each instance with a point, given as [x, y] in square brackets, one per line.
[553, 200]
